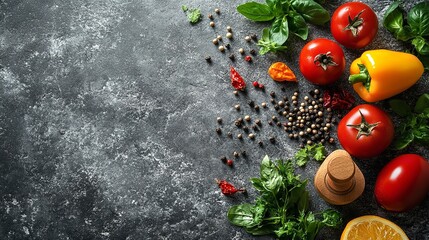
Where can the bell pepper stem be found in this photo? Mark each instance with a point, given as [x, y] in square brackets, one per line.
[363, 77]
[359, 77]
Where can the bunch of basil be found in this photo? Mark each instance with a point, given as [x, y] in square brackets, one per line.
[282, 207]
[412, 27]
[287, 16]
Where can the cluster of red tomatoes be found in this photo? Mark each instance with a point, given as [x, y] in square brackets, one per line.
[366, 131]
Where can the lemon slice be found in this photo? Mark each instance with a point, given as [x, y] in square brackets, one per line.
[372, 227]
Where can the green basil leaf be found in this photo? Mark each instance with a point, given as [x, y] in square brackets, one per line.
[242, 215]
[425, 60]
[421, 45]
[257, 12]
[297, 25]
[422, 103]
[418, 19]
[279, 31]
[311, 11]
[276, 8]
[400, 107]
[403, 140]
[393, 19]
[268, 169]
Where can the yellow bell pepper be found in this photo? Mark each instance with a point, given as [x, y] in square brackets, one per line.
[381, 74]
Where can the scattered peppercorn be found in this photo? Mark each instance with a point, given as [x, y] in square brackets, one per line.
[236, 154]
[232, 57]
[240, 136]
[229, 134]
[229, 35]
[219, 120]
[229, 162]
[254, 37]
[227, 46]
[221, 48]
[264, 104]
[235, 91]
[241, 51]
[218, 131]
[243, 153]
[247, 38]
[255, 84]
[273, 94]
[253, 52]
[219, 37]
[228, 28]
[251, 103]
[210, 16]
[237, 107]
[223, 159]
[248, 58]
[272, 139]
[258, 122]
[261, 144]
[208, 59]
[247, 118]
[246, 129]
[261, 86]
[252, 136]
[217, 10]
[256, 107]
[212, 24]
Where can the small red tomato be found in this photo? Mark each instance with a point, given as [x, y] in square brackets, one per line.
[366, 131]
[403, 183]
[354, 25]
[322, 61]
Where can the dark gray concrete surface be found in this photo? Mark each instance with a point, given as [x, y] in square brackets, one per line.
[108, 114]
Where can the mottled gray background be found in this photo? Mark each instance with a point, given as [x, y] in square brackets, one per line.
[107, 119]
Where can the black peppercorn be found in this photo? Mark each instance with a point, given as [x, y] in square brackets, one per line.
[218, 131]
[256, 107]
[258, 122]
[232, 57]
[255, 128]
[270, 123]
[272, 139]
[260, 143]
[274, 118]
[208, 59]
[253, 51]
[219, 120]
[229, 134]
[254, 37]
[236, 154]
[237, 123]
[246, 129]
[279, 124]
[273, 101]
[227, 46]
[243, 153]
[251, 103]
[283, 89]
[276, 107]
[223, 159]
[273, 94]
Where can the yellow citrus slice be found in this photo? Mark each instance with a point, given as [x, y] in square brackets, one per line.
[372, 227]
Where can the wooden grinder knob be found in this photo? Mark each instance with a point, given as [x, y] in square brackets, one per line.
[340, 175]
[339, 181]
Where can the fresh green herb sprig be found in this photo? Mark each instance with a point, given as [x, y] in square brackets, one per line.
[193, 14]
[412, 27]
[315, 151]
[287, 17]
[415, 125]
[282, 207]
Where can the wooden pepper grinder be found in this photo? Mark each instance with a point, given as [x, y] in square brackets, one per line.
[339, 181]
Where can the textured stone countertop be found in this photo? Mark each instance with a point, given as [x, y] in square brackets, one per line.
[108, 115]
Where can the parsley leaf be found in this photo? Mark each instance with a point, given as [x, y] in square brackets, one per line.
[282, 206]
[317, 152]
[193, 14]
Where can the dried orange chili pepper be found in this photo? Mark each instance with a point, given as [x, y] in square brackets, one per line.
[280, 72]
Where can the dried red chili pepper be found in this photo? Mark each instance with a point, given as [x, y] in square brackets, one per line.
[236, 80]
[227, 188]
[338, 99]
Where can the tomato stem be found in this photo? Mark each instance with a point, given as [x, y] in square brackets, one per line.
[324, 60]
[364, 128]
[355, 23]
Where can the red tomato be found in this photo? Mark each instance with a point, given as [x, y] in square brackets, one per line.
[354, 25]
[403, 183]
[366, 131]
[322, 61]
